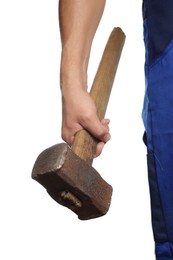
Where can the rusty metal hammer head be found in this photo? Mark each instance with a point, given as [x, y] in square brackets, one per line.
[72, 182]
[67, 173]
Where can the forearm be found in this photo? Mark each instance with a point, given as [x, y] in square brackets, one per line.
[78, 21]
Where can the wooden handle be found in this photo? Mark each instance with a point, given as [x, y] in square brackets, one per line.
[84, 144]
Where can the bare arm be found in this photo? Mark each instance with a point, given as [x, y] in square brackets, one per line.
[78, 21]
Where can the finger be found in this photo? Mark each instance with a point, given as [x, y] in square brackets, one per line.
[105, 122]
[68, 138]
[99, 149]
[107, 137]
[97, 129]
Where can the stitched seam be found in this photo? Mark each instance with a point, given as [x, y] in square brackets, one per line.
[163, 55]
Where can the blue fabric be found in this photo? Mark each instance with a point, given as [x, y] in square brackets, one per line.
[158, 119]
[164, 251]
[158, 219]
[160, 18]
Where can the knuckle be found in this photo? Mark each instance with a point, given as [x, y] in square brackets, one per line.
[67, 139]
[102, 132]
[68, 136]
[89, 115]
[105, 137]
[64, 137]
[86, 118]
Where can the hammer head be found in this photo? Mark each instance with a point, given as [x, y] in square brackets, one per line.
[72, 182]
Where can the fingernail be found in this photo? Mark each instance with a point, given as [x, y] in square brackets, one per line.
[107, 121]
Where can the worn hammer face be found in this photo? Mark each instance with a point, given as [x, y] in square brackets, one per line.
[72, 182]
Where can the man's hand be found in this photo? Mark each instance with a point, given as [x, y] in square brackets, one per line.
[79, 112]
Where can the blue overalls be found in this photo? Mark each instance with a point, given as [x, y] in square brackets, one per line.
[158, 119]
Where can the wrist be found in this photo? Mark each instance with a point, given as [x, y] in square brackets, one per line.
[73, 71]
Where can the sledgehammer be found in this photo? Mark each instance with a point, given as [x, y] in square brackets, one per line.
[66, 172]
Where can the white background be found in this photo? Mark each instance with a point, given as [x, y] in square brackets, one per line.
[32, 225]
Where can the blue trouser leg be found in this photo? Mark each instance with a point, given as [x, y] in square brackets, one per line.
[158, 119]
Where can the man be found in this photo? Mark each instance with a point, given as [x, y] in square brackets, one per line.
[79, 20]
